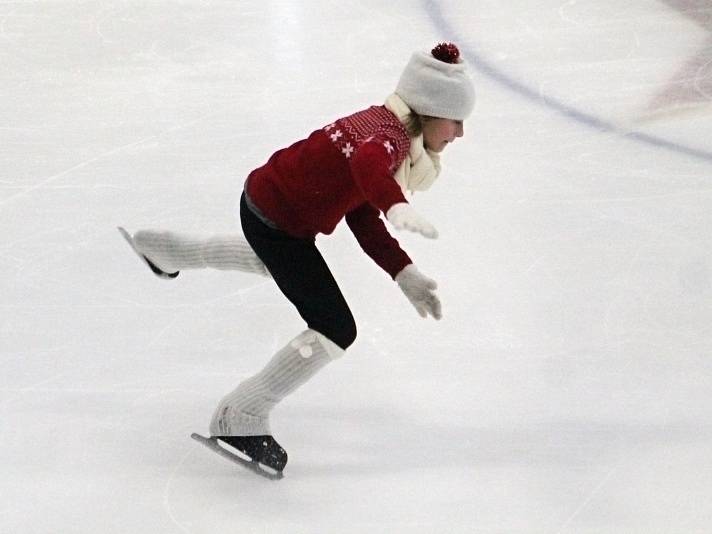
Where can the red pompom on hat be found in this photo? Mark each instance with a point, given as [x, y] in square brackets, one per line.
[437, 84]
[446, 52]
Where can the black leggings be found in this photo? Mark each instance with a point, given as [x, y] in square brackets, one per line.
[303, 276]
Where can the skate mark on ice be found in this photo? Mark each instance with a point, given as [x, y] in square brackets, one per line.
[103, 155]
[162, 332]
[167, 490]
[32, 388]
[587, 500]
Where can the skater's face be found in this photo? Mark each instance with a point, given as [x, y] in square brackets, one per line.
[437, 132]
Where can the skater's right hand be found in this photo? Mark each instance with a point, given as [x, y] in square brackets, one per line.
[402, 215]
[420, 291]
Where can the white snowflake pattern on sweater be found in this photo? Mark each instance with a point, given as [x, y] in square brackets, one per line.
[373, 124]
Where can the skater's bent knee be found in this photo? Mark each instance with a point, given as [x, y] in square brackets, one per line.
[345, 336]
[342, 335]
[349, 337]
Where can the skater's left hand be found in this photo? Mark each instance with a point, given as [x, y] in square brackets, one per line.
[420, 291]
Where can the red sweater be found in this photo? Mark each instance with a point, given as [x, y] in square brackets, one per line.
[342, 170]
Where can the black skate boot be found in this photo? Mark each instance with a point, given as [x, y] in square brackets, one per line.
[261, 449]
[154, 268]
[261, 454]
[158, 272]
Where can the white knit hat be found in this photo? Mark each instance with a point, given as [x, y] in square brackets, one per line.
[437, 84]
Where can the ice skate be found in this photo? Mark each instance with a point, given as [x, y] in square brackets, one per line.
[240, 428]
[151, 265]
[260, 454]
[168, 253]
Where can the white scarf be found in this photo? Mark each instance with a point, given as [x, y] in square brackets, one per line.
[421, 166]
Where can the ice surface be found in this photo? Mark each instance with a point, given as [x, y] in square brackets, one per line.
[568, 387]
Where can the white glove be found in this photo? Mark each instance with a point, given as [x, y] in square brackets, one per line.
[420, 291]
[402, 215]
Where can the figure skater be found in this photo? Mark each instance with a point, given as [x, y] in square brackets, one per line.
[355, 168]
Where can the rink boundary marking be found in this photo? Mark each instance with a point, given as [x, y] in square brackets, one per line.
[434, 12]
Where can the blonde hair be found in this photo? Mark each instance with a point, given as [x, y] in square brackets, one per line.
[414, 123]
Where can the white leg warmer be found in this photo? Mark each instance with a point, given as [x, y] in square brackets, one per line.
[245, 411]
[171, 251]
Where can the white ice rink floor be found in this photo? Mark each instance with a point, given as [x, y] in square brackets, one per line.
[568, 388]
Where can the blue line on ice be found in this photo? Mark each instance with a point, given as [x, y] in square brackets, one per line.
[433, 10]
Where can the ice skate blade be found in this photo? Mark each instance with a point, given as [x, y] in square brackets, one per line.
[158, 272]
[256, 467]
